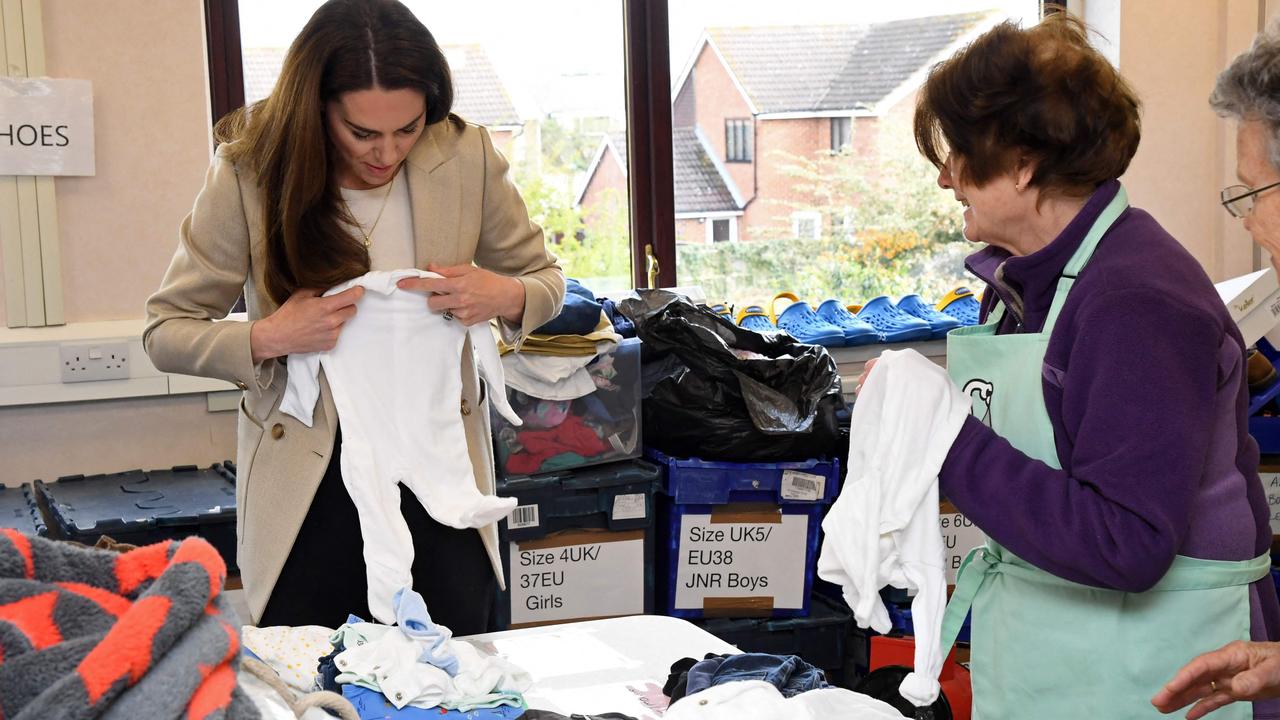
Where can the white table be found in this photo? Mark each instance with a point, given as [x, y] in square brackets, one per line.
[613, 665]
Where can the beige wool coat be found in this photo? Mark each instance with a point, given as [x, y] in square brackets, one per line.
[465, 209]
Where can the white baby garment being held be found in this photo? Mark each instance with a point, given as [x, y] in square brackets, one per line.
[396, 379]
[883, 528]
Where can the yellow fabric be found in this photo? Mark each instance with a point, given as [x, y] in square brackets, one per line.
[465, 210]
[564, 345]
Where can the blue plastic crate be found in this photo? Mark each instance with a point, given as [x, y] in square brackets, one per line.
[142, 507]
[19, 511]
[574, 513]
[750, 501]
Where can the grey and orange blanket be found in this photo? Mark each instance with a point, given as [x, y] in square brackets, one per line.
[143, 635]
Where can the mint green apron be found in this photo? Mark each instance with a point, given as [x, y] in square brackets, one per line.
[1044, 647]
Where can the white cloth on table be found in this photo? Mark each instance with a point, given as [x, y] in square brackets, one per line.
[883, 529]
[760, 700]
[390, 665]
[293, 652]
[396, 378]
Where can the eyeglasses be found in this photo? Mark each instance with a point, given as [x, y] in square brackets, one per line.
[1238, 199]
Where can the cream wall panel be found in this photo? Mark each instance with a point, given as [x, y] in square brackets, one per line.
[146, 60]
[47, 441]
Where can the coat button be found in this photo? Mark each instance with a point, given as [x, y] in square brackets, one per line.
[241, 385]
[466, 407]
[277, 431]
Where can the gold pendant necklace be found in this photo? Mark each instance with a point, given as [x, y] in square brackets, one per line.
[368, 236]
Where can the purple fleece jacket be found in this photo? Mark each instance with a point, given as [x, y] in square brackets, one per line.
[1144, 384]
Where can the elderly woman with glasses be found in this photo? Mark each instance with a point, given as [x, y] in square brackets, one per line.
[1113, 473]
[1248, 91]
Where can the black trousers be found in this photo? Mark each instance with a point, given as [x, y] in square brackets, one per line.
[324, 577]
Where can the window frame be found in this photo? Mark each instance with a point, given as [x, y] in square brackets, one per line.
[738, 141]
[846, 123]
[800, 216]
[648, 91]
[732, 220]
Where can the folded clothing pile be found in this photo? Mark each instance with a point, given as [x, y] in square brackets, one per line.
[762, 686]
[88, 633]
[401, 671]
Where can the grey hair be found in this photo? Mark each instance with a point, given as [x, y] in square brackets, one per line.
[1249, 89]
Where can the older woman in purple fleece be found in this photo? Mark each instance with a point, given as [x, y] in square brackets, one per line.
[1114, 477]
[1249, 91]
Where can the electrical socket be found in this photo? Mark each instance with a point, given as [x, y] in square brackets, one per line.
[96, 361]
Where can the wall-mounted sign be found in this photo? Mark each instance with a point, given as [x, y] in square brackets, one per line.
[46, 126]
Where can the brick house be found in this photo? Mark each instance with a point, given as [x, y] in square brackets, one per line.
[706, 204]
[748, 96]
[479, 95]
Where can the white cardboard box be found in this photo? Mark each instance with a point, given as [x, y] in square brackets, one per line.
[1253, 301]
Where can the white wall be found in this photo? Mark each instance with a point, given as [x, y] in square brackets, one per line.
[1171, 52]
[146, 59]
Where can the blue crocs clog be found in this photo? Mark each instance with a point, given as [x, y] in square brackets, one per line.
[962, 305]
[893, 324]
[803, 324]
[941, 323]
[856, 332]
[754, 318]
[722, 309]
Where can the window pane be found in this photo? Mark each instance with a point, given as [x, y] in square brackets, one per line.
[720, 231]
[805, 78]
[556, 110]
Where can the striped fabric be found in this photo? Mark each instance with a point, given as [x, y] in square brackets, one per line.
[89, 633]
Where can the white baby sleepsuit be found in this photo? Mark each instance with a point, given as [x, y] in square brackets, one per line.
[396, 379]
[883, 529]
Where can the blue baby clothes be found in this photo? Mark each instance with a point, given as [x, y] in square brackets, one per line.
[415, 621]
[788, 673]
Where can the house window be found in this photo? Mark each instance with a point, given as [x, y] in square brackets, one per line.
[720, 230]
[841, 133]
[806, 225]
[737, 141]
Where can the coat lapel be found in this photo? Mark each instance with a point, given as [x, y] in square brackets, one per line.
[435, 194]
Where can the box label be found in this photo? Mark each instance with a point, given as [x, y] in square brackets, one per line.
[802, 486]
[741, 560]
[524, 516]
[564, 578]
[959, 536]
[629, 507]
[1271, 483]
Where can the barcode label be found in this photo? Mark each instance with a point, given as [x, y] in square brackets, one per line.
[802, 486]
[629, 507]
[525, 516]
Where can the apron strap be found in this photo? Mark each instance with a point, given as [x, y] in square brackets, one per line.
[1185, 574]
[972, 574]
[1084, 253]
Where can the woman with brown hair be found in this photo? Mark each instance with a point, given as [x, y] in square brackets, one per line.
[1114, 476]
[353, 163]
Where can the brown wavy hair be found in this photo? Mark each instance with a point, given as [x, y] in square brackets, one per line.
[1042, 92]
[347, 45]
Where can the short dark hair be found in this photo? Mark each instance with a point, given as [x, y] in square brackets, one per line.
[1041, 92]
